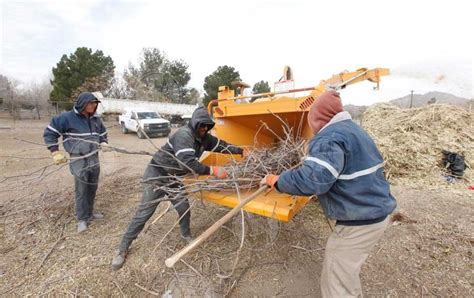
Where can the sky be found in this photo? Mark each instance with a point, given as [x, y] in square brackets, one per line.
[427, 45]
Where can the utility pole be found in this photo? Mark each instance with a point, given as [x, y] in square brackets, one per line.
[411, 99]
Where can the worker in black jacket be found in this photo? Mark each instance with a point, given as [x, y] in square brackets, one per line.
[179, 156]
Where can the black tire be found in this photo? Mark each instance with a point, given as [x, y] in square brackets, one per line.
[123, 128]
[140, 134]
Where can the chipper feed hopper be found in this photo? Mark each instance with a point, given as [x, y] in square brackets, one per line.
[238, 122]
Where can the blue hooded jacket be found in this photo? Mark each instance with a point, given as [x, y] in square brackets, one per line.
[81, 134]
[345, 170]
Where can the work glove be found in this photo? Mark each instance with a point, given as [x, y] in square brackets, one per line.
[104, 147]
[58, 157]
[219, 172]
[270, 180]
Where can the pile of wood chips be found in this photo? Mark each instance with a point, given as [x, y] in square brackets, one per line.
[411, 141]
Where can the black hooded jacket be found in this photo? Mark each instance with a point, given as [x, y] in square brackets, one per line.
[186, 146]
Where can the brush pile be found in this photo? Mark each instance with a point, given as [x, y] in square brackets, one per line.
[246, 174]
[412, 140]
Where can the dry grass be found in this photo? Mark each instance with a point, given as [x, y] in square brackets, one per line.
[411, 141]
[50, 258]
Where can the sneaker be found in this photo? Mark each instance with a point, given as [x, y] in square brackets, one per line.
[81, 226]
[97, 215]
[118, 260]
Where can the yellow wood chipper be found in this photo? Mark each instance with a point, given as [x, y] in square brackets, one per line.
[238, 121]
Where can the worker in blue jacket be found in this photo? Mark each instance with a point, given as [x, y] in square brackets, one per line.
[345, 170]
[83, 135]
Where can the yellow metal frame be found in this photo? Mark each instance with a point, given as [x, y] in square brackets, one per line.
[259, 124]
[274, 205]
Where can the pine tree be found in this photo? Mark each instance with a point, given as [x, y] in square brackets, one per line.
[81, 71]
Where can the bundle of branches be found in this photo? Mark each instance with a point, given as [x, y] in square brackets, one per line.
[246, 174]
[412, 140]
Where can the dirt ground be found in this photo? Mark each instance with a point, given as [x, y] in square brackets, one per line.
[426, 252]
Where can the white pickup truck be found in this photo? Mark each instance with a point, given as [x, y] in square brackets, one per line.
[144, 121]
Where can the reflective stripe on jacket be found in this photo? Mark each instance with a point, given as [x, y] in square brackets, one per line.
[345, 170]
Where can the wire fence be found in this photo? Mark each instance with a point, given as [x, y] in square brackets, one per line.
[27, 110]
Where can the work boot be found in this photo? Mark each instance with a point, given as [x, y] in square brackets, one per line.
[81, 226]
[118, 260]
[96, 215]
[185, 230]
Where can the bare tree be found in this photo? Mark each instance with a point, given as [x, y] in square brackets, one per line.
[9, 95]
[17, 96]
[5, 89]
[37, 94]
[119, 89]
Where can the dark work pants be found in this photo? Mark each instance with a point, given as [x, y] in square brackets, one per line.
[86, 179]
[149, 203]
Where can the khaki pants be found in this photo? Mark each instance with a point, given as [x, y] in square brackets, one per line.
[346, 250]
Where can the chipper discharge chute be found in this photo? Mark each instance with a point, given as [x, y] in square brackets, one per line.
[258, 123]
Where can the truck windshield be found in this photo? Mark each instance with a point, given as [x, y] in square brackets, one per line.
[147, 115]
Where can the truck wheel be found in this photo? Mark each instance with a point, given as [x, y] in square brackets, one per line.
[123, 128]
[140, 134]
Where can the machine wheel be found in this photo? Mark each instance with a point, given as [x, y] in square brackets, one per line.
[140, 134]
[123, 128]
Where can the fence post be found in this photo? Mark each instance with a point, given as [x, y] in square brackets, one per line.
[37, 109]
[13, 109]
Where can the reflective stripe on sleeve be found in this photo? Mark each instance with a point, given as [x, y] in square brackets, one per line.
[218, 142]
[53, 129]
[361, 173]
[185, 150]
[324, 164]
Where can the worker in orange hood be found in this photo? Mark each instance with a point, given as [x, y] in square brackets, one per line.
[345, 170]
[323, 110]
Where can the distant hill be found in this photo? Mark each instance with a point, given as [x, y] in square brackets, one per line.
[418, 101]
[430, 97]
